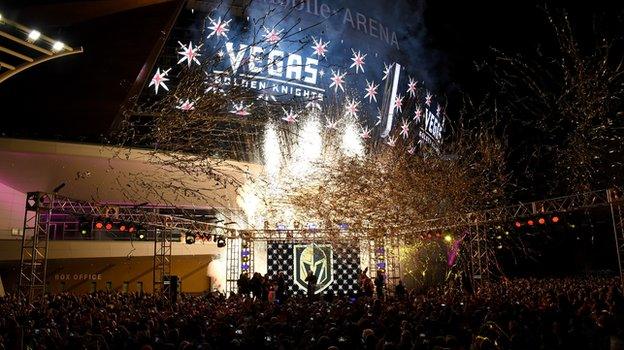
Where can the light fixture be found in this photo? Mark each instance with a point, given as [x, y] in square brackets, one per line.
[34, 35]
[99, 225]
[123, 227]
[58, 46]
[448, 238]
[190, 238]
[518, 224]
[220, 242]
[555, 219]
[541, 221]
[531, 222]
[108, 226]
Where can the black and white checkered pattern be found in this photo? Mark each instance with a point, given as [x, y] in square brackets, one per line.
[345, 266]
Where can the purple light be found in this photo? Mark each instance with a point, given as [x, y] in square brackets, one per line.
[381, 265]
[245, 252]
[245, 267]
[380, 250]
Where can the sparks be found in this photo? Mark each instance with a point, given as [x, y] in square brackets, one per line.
[240, 109]
[290, 116]
[438, 110]
[189, 53]
[398, 103]
[186, 105]
[358, 61]
[319, 47]
[218, 28]
[411, 87]
[272, 36]
[366, 133]
[159, 79]
[331, 124]
[371, 91]
[411, 149]
[428, 98]
[391, 141]
[338, 80]
[314, 103]
[378, 117]
[351, 108]
[405, 129]
[386, 71]
[266, 97]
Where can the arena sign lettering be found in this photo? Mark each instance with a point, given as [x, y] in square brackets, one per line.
[78, 276]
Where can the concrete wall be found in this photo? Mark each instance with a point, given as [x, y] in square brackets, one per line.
[12, 208]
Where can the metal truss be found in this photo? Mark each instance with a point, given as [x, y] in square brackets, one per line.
[34, 247]
[24, 48]
[162, 263]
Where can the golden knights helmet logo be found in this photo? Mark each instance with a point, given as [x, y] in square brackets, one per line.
[315, 258]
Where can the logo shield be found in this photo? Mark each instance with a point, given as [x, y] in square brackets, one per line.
[315, 258]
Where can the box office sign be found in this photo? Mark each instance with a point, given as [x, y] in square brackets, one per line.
[78, 276]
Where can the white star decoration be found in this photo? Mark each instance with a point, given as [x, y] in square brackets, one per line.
[290, 116]
[391, 141]
[405, 129]
[159, 80]
[272, 36]
[371, 91]
[366, 133]
[319, 47]
[338, 80]
[358, 61]
[240, 109]
[331, 124]
[411, 87]
[189, 53]
[386, 71]
[186, 105]
[398, 103]
[428, 98]
[351, 108]
[417, 114]
[378, 117]
[218, 28]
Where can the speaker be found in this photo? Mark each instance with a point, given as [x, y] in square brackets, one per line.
[174, 282]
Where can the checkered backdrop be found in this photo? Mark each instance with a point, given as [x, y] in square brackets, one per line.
[345, 267]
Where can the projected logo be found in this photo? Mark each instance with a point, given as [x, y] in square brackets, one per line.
[317, 259]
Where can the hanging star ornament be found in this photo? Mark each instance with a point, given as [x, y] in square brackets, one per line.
[218, 28]
[320, 47]
[159, 79]
[240, 109]
[186, 105]
[366, 133]
[272, 36]
[411, 87]
[358, 61]
[378, 117]
[428, 99]
[405, 129]
[189, 53]
[417, 114]
[386, 71]
[290, 117]
[338, 80]
[391, 141]
[398, 103]
[371, 91]
[351, 108]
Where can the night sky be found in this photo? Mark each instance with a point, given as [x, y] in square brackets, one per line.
[76, 98]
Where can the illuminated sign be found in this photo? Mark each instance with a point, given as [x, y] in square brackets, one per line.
[314, 258]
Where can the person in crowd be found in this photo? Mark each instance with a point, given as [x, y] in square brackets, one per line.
[243, 284]
[311, 279]
[280, 287]
[399, 290]
[380, 284]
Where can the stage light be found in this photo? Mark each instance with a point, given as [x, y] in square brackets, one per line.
[141, 236]
[555, 219]
[518, 224]
[189, 238]
[58, 46]
[99, 225]
[34, 35]
[220, 242]
[541, 221]
[530, 223]
[85, 227]
[123, 227]
[108, 226]
[131, 228]
[448, 238]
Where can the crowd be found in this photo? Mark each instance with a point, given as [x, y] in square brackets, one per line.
[572, 313]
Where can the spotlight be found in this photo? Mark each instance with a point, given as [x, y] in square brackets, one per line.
[190, 238]
[555, 219]
[448, 238]
[220, 242]
[530, 222]
[541, 221]
[123, 227]
[58, 46]
[99, 224]
[518, 224]
[108, 226]
[85, 227]
[34, 35]
[132, 228]
[142, 235]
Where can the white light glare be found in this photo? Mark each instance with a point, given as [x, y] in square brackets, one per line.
[58, 46]
[351, 141]
[34, 35]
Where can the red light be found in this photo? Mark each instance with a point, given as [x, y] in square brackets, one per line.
[518, 224]
[122, 228]
[99, 225]
[530, 222]
[542, 221]
[555, 219]
[109, 226]
[131, 229]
